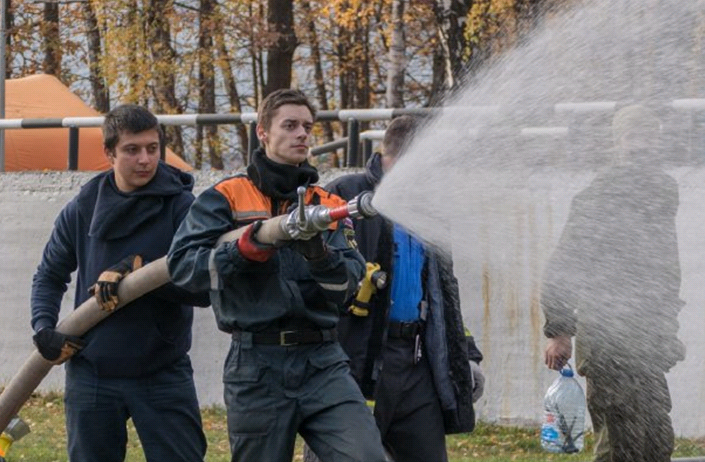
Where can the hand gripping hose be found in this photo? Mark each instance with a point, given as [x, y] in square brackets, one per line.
[138, 283]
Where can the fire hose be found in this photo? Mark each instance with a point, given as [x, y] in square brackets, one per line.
[154, 275]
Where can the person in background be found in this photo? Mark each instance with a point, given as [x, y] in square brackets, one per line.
[407, 342]
[135, 363]
[613, 282]
[286, 372]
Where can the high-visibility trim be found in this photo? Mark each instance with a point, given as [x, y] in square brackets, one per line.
[213, 271]
[250, 216]
[334, 287]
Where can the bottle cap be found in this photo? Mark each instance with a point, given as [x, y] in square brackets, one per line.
[567, 371]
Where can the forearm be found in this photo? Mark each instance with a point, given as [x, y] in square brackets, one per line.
[174, 294]
[52, 277]
[46, 302]
[195, 261]
[557, 305]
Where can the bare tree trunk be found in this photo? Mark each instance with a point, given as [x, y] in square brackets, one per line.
[51, 40]
[9, 28]
[317, 68]
[206, 79]
[159, 37]
[101, 93]
[363, 96]
[450, 21]
[438, 83]
[345, 71]
[280, 54]
[231, 88]
[133, 75]
[397, 60]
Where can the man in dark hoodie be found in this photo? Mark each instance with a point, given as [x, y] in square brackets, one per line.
[285, 371]
[135, 363]
[407, 345]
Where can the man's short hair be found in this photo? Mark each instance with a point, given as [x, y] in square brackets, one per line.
[399, 134]
[129, 118]
[273, 101]
[634, 117]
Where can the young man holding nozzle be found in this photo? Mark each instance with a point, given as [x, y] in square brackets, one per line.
[280, 298]
[134, 364]
[406, 338]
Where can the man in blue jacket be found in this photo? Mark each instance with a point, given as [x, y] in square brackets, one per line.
[135, 363]
[408, 347]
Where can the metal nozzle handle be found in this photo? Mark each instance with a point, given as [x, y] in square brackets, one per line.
[301, 192]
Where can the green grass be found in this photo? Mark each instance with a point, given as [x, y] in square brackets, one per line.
[488, 443]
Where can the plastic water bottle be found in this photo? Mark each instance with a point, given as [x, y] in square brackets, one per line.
[564, 415]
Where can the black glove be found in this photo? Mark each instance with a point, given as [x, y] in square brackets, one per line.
[311, 249]
[56, 347]
[105, 289]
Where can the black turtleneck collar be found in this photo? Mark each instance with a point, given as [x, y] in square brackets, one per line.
[279, 181]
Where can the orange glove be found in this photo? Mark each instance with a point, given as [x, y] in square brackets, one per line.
[105, 289]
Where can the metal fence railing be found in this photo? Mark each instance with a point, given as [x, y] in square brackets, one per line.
[352, 117]
[358, 145]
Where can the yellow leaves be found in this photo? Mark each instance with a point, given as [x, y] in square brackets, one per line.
[350, 14]
[493, 24]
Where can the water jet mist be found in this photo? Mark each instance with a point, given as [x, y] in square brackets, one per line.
[492, 177]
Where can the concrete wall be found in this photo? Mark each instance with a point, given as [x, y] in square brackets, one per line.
[498, 305]
[499, 262]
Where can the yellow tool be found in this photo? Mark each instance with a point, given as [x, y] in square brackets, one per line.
[15, 430]
[374, 280]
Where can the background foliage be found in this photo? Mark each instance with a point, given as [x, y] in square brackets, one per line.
[220, 56]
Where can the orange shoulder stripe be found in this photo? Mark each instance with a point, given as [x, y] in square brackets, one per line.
[246, 201]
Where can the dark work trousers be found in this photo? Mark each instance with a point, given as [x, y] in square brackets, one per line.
[163, 407]
[407, 408]
[629, 412]
[272, 392]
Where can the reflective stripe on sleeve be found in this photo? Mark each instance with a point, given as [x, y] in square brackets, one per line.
[215, 279]
[334, 287]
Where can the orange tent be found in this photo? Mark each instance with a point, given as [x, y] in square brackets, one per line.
[43, 96]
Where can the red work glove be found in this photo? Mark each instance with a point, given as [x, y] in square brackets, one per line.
[105, 288]
[251, 249]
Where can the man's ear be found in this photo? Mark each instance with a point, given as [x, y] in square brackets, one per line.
[109, 154]
[261, 133]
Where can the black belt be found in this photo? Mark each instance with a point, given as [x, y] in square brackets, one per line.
[291, 337]
[404, 330]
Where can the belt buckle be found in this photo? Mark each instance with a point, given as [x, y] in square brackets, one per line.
[282, 338]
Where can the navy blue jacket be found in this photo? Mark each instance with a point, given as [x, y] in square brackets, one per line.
[445, 340]
[95, 230]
